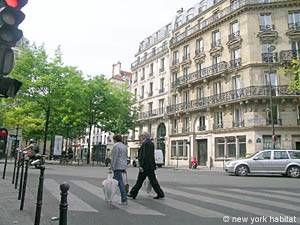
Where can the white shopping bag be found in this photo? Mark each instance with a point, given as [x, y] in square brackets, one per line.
[110, 187]
[147, 186]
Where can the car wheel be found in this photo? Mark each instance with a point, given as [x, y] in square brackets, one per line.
[294, 171]
[242, 170]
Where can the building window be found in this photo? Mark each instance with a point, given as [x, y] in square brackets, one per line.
[265, 21]
[162, 84]
[136, 77]
[149, 128]
[150, 107]
[200, 92]
[268, 142]
[237, 117]
[295, 45]
[151, 70]
[162, 65]
[217, 88]
[150, 89]
[174, 77]
[135, 94]
[186, 53]
[294, 20]
[298, 112]
[271, 79]
[186, 126]
[216, 60]
[218, 119]
[242, 146]
[199, 67]
[202, 125]
[199, 46]
[231, 147]
[161, 103]
[235, 58]
[175, 58]
[173, 148]
[268, 57]
[142, 92]
[216, 39]
[234, 30]
[220, 147]
[275, 115]
[143, 74]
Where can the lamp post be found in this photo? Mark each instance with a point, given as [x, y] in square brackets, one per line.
[270, 56]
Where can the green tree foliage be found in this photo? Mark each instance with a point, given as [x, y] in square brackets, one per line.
[56, 99]
[293, 69]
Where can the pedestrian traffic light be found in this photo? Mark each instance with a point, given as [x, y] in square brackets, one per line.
[3, 134]
[9, 87]
[10, 18]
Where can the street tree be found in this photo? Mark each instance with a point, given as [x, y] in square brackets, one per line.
[293, 69]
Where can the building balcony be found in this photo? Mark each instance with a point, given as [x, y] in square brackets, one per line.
[218, 125]
[270, 57]
[267, 32]
[201, 128]
[293, 30]
[216, 46]
[276, 121]
[288, 55]
[238, 123]
[151, 113]
[186, 130]
[233, 96]
[234, 39]
[235, 63]
[199, 55]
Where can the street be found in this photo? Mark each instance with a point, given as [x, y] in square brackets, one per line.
[193, 197]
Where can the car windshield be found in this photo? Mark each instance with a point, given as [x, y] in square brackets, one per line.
[250, 155]
[294, 154]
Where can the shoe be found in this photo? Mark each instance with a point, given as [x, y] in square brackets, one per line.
[131, 196]
[158, 196]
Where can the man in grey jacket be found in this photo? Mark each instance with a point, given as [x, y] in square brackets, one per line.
[119, 165]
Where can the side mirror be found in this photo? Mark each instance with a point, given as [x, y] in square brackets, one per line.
[255, 158]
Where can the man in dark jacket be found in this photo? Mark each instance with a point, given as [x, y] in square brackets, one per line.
[147, 168]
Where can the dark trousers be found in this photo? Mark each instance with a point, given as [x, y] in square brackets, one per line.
[153, 181]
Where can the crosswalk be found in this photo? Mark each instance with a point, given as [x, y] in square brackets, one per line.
[198, 201]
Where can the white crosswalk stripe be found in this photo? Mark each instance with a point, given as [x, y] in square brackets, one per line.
[250, 199]
[189, 202]
[225, 203]
[75, 203]
[276, 196]
[284, 193]
[134, 207]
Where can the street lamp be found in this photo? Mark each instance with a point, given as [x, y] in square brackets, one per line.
[270, 56]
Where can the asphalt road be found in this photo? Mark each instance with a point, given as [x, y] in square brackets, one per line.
[193, 197]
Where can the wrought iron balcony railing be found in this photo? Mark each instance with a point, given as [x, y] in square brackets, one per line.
[234, 6]
[238, 123]
[231, 97]
[276, 121]
[266, 28]
[201, 128]
[151, 113]
[202, 74]
[234, 36]
[288, 55]
[218, 125]
[270, 57]
[235, 63]
[294, 26]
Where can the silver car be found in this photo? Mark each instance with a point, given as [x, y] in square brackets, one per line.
[285, 162]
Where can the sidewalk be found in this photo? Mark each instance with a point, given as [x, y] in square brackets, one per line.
[10, 213]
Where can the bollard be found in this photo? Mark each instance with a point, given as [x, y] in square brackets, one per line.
[18, 168]
[21, 178]
[63, 206]
[24, 183]
[39, 201]
[3, 138]
[16, 152]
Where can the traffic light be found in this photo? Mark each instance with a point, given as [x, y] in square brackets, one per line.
[10, 18]
[9, 87]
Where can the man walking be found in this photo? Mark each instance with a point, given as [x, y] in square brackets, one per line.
[147, 167]
[119, 165]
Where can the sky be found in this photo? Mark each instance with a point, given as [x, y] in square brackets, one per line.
[94, 34]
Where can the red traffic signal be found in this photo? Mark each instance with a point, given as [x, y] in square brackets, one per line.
[3, 133]
[16, 3]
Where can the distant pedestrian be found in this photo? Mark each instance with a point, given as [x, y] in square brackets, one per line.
[147, 168]
[119, 165]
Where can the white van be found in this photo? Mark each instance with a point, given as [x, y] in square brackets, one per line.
[159, 157]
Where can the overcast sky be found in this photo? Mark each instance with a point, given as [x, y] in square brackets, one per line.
[94, 34]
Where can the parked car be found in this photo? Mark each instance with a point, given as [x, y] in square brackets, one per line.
[279, 161]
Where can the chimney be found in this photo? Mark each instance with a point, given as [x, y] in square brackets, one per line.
[116, 70]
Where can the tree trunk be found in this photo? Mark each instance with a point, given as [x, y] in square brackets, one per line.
[46, 129]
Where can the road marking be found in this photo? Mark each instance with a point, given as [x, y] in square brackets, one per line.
[190, 208]
[248, 198]
[265, 195]
[74, 203]
[228, 204]
[132, 208]
[284, 192]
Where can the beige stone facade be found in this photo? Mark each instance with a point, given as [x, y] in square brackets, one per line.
[225, 59]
